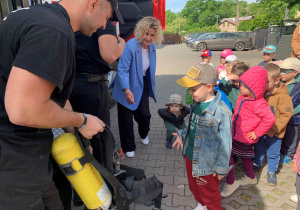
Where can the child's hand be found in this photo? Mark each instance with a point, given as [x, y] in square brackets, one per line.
[177, 141]
[232, 77]
[252, 135]
[294, 167]
[219, 176]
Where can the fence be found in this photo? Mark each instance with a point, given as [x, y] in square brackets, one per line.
[172, 39]
[281, 37]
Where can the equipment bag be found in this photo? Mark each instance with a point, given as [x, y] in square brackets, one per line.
[128, 185]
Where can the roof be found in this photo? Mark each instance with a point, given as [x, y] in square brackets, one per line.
[232, 20]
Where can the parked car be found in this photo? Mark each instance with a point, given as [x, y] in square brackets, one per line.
[220, 41]
[186, 37]
[189, 41]
[201, 37]
[192, 37]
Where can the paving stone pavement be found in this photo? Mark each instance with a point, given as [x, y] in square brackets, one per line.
[173, 62]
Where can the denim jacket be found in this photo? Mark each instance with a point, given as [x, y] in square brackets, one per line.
[212, 146]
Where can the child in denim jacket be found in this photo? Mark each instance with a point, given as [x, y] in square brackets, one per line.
[206, 142]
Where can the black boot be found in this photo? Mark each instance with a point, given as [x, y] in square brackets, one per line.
[169, 143]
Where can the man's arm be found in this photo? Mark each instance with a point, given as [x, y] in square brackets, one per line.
[110, 47]
[27, 102]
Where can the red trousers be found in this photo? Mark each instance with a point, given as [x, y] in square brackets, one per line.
[204, 188]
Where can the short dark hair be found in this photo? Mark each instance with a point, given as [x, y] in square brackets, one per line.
[240, 68]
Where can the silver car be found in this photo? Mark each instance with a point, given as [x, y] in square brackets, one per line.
[220, 41]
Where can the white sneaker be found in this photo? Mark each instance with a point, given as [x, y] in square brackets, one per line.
[145, 141]
[200, 207]
[294, 198]
[228, 189]
[245, 180]
[130, 154]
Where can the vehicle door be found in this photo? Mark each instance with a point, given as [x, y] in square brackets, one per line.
[216, 41]
[229, 41]
[134, 10]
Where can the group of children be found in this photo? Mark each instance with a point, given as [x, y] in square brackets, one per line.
[261, 115]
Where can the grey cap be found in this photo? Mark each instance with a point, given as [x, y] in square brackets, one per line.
[174, 99]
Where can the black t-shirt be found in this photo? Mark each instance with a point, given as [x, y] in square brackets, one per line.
[40, 40]
[88, 56]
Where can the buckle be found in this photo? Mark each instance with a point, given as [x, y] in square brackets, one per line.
[67, 169]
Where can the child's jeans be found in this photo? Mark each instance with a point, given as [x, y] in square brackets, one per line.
[204, 188]
[247, 163]
[272, 146]
[171, 129]
[289, 141]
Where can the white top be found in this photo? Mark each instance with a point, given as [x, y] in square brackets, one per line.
[146, 64]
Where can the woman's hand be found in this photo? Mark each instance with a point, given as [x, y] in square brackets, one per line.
[129, 96]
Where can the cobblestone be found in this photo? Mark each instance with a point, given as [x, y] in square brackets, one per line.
[172, 63]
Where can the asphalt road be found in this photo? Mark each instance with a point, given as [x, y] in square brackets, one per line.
[177, 59]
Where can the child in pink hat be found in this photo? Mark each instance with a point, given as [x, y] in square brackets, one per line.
[223, 55]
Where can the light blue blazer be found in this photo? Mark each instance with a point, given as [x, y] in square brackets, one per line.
[130, 74]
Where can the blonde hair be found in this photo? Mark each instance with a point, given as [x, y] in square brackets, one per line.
[273, 70]
[144, 25]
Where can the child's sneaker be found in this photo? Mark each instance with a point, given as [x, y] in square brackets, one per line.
[256, 168]
[200, 207]
[169, 143]
[245, 180]
[294, 198]
[284, 159]
[228, 189]
[272, 181]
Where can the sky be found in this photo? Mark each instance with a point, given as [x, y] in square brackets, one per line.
[177, 5]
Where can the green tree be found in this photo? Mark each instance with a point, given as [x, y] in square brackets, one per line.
[170, 16]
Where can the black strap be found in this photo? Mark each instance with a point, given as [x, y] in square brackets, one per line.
[119, 191]
[140, 191]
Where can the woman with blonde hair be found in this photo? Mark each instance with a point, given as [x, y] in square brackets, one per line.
[135, 83]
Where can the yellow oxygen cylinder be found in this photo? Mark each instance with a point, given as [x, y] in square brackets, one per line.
[86, 180]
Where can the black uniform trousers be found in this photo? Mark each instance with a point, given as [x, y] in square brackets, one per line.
[141, 115]
[26, 170]
[92, 98]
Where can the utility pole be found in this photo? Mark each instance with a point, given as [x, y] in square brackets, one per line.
[217, 20]
[237, 15]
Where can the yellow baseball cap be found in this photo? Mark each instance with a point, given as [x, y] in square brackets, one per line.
[199, 74]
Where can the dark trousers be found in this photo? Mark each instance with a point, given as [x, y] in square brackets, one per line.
[141, 115]
[92, 98]
[289, 141]
[171, 129]
[26, 172]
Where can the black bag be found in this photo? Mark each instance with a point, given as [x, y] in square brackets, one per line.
[128, 185]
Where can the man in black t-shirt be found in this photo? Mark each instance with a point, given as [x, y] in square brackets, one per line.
[93, 54]
[37, 60]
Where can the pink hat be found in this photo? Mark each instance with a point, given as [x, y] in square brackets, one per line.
[226, 52]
